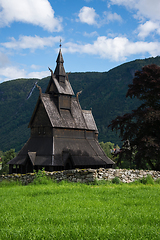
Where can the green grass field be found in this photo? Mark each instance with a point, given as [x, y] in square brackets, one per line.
[80, 211]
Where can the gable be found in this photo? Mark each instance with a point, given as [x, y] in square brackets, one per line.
[87, 114]
[63, 89]
[56, 87]
[51, 87]
[40, 117]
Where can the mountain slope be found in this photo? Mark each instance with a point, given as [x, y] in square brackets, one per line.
[103, 92]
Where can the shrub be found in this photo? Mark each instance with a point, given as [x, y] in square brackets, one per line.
[116, 180]
[99, 182]
[147, 180]
[157, 181]
[41, 178]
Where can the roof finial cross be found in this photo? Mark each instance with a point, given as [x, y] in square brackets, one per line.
[60, 43]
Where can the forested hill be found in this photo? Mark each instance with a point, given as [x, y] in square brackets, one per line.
[103, 92]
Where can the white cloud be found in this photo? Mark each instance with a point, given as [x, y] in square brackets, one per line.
[127, 3]
[35, 67]
[88, 15]
[13, 72]
[25, 42]
[10, 72]
[116, 49]
[146, 11]
[38, 74]
[3, 59]
[145, 8]
[92, 34]
[146, 28]
[37, 12]
[7, 71]
[110, 17]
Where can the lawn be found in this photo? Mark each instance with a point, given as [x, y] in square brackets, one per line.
[80, 211]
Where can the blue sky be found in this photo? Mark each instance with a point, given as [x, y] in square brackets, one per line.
[96, 35]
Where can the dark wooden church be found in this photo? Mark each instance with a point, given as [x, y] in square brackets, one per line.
[63, 136]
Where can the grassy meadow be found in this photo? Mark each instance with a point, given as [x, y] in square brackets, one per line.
[80, 211]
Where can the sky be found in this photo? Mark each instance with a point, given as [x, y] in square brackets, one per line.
[96, 35]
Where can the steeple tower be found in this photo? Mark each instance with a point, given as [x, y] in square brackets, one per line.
[59, 83]
[59, 70]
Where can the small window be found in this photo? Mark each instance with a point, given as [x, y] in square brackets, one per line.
[39, 131]
[64, 102]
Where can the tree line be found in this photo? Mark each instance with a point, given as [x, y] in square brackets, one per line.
[5, 157]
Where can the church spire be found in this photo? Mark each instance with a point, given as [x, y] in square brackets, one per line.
[59, 70]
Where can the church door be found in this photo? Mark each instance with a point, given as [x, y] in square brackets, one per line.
[29, 166]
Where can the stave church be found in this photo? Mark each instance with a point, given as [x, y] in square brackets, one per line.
[63, 136]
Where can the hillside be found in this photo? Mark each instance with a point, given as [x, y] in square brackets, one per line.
[103, 92]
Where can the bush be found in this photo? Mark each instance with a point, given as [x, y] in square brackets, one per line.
[157, 181]
[41, 178]
[99, 182]
[147, 180]
[116, 180]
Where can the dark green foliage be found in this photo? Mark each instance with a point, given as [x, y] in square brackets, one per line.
[147, 180]
[99, 182]
[125, 158]
[15, 112]
[116, 180]
[141, 128]
[157, 181]
[103, 92]
[5, 159]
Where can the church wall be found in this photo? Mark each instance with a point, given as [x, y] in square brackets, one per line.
[41, 131]
[89, 134]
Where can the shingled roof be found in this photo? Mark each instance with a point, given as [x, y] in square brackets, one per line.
[73, 118]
